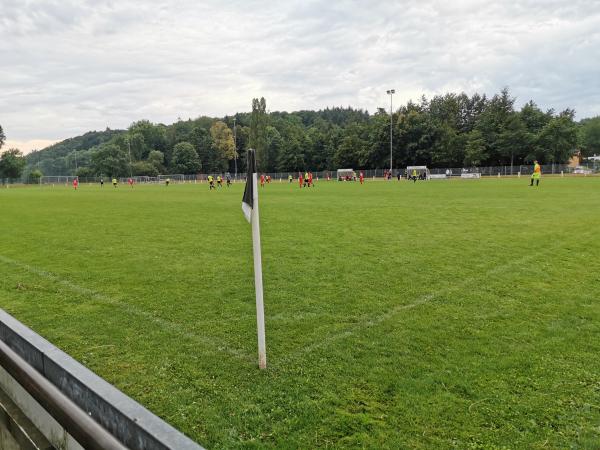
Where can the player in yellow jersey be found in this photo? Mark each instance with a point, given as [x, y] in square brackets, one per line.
[537, 174]
[211, 183]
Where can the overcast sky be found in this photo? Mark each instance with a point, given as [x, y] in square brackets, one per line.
[70, 66]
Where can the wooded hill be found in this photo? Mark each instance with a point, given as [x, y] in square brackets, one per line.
[454, 130]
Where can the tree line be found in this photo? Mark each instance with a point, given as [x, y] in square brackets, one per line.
[452, 130]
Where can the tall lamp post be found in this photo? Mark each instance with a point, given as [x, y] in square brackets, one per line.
[129, 148]
[235, 149]
[391, 93]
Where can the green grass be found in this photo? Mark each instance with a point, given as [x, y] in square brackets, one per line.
[461, 314]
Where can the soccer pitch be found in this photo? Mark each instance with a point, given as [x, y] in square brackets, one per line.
[441, 314]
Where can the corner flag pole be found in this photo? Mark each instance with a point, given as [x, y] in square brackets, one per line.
[250, 208]
[258, 280]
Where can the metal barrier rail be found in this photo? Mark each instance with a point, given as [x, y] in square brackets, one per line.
[69, 404]
[74, 420]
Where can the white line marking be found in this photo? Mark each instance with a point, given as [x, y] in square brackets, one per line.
[427, 298]
[131, 309]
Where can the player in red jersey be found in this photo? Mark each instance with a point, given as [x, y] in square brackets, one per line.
[362, 177]
[75, 183]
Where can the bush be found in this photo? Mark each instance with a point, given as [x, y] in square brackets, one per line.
[34, 176]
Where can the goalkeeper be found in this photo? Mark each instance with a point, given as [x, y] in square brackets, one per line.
[537, 174]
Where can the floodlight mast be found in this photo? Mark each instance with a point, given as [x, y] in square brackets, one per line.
[234, 149]
[129, 148]
[391, 93]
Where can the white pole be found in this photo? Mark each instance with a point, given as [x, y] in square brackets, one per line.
[234, 149]
[258, 281]
[391, 129]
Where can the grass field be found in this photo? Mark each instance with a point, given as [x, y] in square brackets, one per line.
[461, 314]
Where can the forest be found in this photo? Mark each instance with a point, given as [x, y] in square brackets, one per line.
[452, 130]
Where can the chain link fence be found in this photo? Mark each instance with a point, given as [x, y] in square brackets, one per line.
[449, 172]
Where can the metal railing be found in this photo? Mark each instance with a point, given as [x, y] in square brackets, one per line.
[73, 419]
[67, 402]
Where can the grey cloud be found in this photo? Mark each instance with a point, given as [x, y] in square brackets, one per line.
[70, 66]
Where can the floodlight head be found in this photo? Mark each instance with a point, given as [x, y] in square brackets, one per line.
[393, 91]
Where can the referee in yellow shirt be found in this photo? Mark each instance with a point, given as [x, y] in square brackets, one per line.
[537, 174]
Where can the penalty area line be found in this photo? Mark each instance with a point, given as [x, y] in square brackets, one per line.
[378, 319]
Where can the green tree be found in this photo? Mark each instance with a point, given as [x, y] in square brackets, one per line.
[534, 118]
[2, 137]
[558, 139]
[110, 160]
[222, 141]
[515, 142]
[12, 164]
[35, 176]
[317, 154]
[448, 148]
[589, 136]
[378, 149]
[144, 168]
[287, 147]
[353, 150]
[137, 144]
[258, 133]
[85, 172]
[475, 151]
[185, 159]
[416, 135]
[203, 144]
[180, 131]
[157, 159]
[155, 137]
[492, 122]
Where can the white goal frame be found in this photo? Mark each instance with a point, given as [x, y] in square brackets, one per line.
[60, 179]
[420, 170]
[173, 178]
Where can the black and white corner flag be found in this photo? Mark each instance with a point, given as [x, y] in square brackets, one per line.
[248, 200]
[250, 208]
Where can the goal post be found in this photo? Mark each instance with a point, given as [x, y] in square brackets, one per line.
[59, 179]
[421, 172]
[173, 178]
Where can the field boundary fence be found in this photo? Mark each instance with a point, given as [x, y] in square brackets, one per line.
[438, 172]
[458, 172]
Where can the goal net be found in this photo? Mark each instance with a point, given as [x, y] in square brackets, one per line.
[418, 172]
[470, 173]
[144, 179]
[173, 178]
